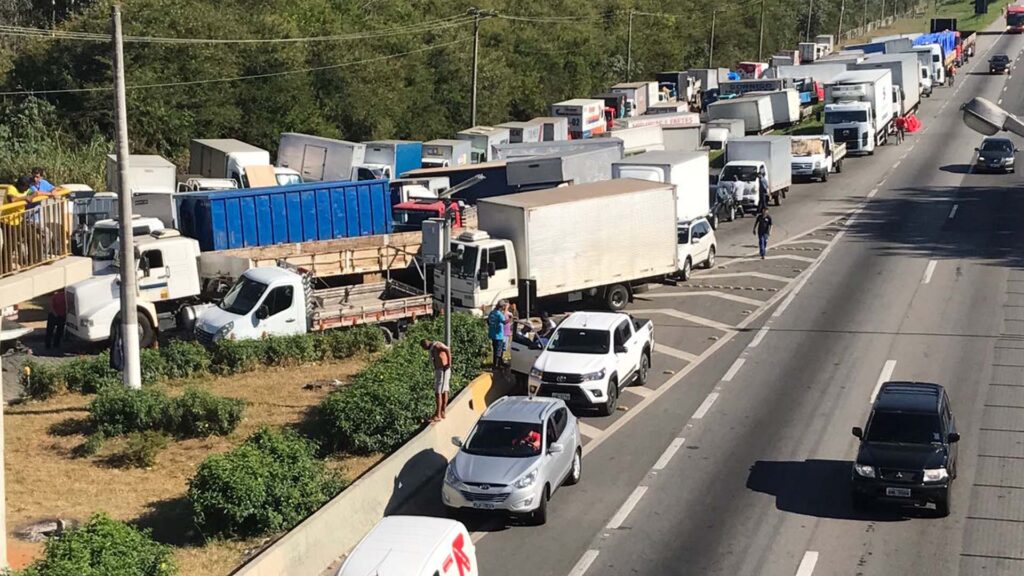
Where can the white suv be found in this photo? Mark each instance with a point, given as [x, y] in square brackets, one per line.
[695, 246]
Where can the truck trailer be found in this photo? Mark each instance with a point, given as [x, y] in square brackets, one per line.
[570, 167]
[755, 111]
[484, 139]
[688, 172]
[243, 163]
[905, 69]
[320, 159]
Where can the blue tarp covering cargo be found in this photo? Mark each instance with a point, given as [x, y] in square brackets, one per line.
[283, 214]
[946, 40]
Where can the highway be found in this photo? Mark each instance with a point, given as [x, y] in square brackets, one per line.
[735, 458]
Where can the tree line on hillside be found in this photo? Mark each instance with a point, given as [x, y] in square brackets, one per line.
[349, 89]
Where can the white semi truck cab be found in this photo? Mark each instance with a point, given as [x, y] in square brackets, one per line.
[102, 241]
[484, 272]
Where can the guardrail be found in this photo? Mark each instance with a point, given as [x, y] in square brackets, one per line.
[33, 234]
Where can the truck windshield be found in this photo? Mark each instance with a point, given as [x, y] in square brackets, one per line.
[411, 220]
[846, 116]
[243, 296]
[743, 173]
[904, 428]
[1015, 19]
[102, 244]
[467, 268]
[579, 341]
[288, 179]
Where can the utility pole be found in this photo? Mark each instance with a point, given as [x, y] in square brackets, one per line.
[131, 373]
[711, 43]
[629, 49]
[883, 10]
[3, 479]
[476, 60]
[810, 10]
[760, 35]
[864, 19]
[842, 12]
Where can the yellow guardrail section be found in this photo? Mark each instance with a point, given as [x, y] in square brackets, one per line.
[33, 231]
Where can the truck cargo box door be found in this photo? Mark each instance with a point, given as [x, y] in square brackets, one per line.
[313, 159]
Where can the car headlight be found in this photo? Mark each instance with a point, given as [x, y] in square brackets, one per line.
[817, 164]
[864, 470]
[535, 373]
[225, 330]
[981, 158]
[935, 475]
[451, 478]
[526, 480]
[599, 375]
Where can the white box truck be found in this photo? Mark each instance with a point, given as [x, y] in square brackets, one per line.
[153, 182]
[637, 94]
[639, 139]
[785, 105]
[484, 139]
[859, 110]
[688, 172]
[230, 158]
[822, 72]
[446, 153]
[601, 241]
[555, 128]
[586, 116]
[527, 150]
[531, 131]
[569, 167]
[745, 157]
[319, 159]
[906, 71]
[755, 111]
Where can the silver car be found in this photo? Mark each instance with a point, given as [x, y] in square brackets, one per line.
[520, 451]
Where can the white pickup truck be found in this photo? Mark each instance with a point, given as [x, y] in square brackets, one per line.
[590, 357]
[816, 156]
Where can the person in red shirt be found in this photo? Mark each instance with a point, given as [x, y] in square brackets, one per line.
[56, 319]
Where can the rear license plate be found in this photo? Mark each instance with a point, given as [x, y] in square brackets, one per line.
[561, 396]
[898, 492]
[483, 505]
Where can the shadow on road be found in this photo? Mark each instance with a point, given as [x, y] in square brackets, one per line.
[957, 168]
[819, 488]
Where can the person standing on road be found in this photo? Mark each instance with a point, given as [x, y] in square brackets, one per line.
[496, 322]
[56, 319]
[762, 188]
[763, 229]
[441, 358]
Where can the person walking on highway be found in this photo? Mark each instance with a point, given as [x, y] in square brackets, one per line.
[56, 320]
[441, 358]
[763, 229]
[762, 187]
[496, 322]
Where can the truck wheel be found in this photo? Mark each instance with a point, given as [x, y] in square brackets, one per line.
[389, 336]
[617, 297]
[824, 175]
[839, 167]
[611, 398]
[778, 199]
[147, 334]
[684, 273]
[644, 369]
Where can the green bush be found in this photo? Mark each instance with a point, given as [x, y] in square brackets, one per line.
[104, 547]
[142, 448]
[341, 344]
[184, 359]
[42, 380]
[198, 413]
[269, 483]
[153, 365]
[289, 350]
[236, 356]
[389, 399]
[116, 410]
[90, 374]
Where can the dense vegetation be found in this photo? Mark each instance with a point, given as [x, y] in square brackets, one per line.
[562, 49]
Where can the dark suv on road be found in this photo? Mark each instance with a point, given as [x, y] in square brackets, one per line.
[908, 449]
[999, 64]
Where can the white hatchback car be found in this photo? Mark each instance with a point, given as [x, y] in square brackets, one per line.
[695, 246]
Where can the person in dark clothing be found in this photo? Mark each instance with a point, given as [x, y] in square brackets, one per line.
[56, 319]
[763, 229]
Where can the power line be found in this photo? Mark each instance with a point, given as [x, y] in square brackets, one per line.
[239, 78]
[561, 19]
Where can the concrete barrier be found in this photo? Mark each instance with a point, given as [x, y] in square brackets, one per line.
[333, 530]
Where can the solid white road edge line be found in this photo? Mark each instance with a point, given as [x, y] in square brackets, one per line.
[883, 377]
[705, 406]
[667, 455]
[639, 391]
[807, 564]
[626, 508]
[733, 370]
[588, 430]
[758, 337]
[584, 563]
[674, 352]
[928, 271]
[952, 211]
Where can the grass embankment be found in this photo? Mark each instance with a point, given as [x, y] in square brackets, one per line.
[959, 9]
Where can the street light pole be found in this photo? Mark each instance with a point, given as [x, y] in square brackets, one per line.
[711, 43]
[448, 273]
[810, 11]
[629, 49]
[476, 55]
[760, 35]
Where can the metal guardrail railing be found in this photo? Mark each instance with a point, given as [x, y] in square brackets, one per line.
[33, 233]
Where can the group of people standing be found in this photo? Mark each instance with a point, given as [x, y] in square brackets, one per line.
[503, 321]
[30, 186]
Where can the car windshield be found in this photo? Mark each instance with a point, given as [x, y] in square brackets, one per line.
[579, 341]
[1000, 58]
[904, 428]
[846, 116]
[997, 146]
[744, 173]
[504, 439]
[243, 296]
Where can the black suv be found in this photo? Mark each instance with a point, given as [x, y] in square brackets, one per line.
[907, 450]
[999, 64]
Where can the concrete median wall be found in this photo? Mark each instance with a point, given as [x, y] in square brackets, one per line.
[333, 530]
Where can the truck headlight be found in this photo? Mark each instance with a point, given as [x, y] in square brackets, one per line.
[935, 475]
[224, 330]
[817, 164]
[599, 375]
[535, 373]
[526, 480]
[864, 470]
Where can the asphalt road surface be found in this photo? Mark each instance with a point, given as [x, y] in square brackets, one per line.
[735, 458]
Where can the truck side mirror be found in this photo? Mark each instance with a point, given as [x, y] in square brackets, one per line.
[491, 269]
[483, 279]
[858, 432]
[262, 313]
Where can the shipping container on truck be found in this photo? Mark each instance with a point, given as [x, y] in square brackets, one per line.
[812, 52]
[554, 128]
[285, 214]
[639, 139]
[681, 138]
[774, 152]
[845, 56]
[906, 71]
[741, 87]
[755, 111]
[495, 182]
[827, 40]
[483, 140]
[735, 126]
[572, 167]
[320, 159]
[526, 150]
[530, 131]
[153, 183]
[709, 77]
[442, 153]
[1015, 19]
[602, 241]
[399, 156]
[822, 72]
[246, 164]
[636, 97]
[668, 108]
[663, 120]
[785, 105]
[585, 115]
[678, 83]
[688, 172]
[889, 46]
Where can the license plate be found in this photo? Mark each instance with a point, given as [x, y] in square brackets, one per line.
[898, 492]
[483, 505]
[561, 396]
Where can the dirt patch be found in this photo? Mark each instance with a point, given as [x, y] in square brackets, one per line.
[46, 479]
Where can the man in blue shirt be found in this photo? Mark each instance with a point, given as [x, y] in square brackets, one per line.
[39, 181]
[496, 322]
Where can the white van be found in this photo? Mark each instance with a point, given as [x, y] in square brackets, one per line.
[413, 546]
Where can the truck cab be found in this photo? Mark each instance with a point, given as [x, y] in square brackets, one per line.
[268, 300]
[485, 271]
[102, 241]
[852, 123]
[739, 179]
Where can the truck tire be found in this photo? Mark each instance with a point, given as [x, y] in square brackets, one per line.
[147, 334]
[778, 199]
[644, 369]
[616, 297]
[611, 399]
[824, 175]
[839, 167]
